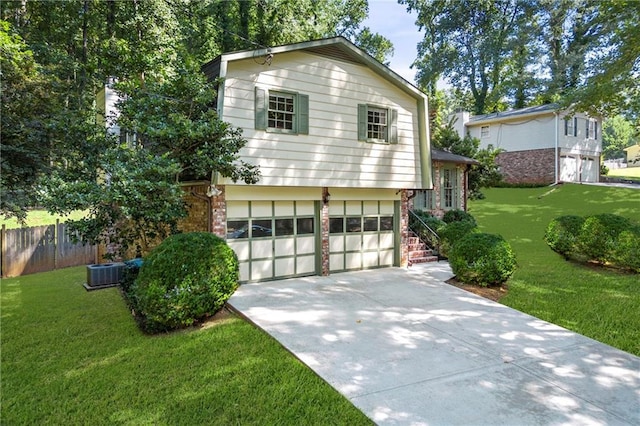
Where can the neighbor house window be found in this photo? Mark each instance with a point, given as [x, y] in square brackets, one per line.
[281, 111]
[570, 126]
[484, 132]
[592, 129]
[377, 124]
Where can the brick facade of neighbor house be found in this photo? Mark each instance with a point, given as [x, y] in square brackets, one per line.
[531, 166]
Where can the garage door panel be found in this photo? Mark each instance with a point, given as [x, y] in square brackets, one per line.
[370, 259]
[261, 209]
[244, 271]
[386, 208]
[241, 248]
[336, 243]
[353, 242]
[370, 241]
[336, 262]
[353, 260]
[353, 207]
[305, 208]
[237, 209]
[386, 240]
[306, 245]
[261, 269]
[285, 267]
[386, 257]
[285, 247]
[370, 207]
[283, 208]
[261, 249]
[305, 264]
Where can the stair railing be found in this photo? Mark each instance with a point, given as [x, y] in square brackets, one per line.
[434, 241]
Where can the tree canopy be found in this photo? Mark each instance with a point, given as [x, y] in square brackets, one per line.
[56, 56]
[499, 54]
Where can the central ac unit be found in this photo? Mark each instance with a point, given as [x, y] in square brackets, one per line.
[104, 275]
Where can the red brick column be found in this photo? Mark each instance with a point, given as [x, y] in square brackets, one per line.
[324, 232]
[219, 213]
[404, 228]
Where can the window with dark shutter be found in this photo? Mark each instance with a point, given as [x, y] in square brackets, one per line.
[377, 124]
[281, 111]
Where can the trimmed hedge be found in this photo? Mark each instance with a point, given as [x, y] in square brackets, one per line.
[562, 233]
[605, 238]
[482, 259]
[458, 216]
[184, 280]
[453, 232]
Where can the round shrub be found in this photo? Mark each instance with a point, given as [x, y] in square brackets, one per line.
[453, 232]
[482, 259]
[626, 253]
[598, 235]
[458, 216]
[187, 278]
[562, 233]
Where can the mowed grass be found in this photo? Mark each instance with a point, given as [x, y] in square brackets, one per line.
[40, 218]
[597, 302]
[74, 357]
[629, 172]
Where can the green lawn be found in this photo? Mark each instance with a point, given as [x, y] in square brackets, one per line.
[75, 357]
[39, 218]
[629, 172]
[600, 303]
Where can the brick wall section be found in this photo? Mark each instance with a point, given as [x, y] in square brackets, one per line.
[198, 205]
[404, 228]
[324, 233]
[533, 166]
[219, 213]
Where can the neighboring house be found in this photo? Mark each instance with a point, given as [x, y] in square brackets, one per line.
[633, 155]
[450, 184]
[342, 142]
[541, 144]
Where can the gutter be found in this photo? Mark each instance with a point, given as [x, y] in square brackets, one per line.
[557, 158]
[424, 143]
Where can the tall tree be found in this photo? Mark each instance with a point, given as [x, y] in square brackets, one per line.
[469, 44]
[617, 134]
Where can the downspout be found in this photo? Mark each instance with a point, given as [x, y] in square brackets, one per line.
[424, 144]
[557, 156]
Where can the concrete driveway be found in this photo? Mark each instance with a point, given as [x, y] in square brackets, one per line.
[407, 348]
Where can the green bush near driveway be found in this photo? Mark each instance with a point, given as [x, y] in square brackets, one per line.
[186, 279]
[482, 259]
[453, 232]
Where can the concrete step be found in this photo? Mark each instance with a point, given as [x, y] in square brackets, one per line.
[424, 259]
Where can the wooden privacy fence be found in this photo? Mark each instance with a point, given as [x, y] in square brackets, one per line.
[41, 249]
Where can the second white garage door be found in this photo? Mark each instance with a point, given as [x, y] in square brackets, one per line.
[361, 235]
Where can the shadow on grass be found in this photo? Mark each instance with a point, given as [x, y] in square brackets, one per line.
[75, 357]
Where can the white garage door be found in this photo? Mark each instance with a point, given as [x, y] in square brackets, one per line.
[273, 239]
[589, 169]
[361, 235]
[568, 168]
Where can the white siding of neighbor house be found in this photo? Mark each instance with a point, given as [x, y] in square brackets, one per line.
[538, 132]
[330, 155]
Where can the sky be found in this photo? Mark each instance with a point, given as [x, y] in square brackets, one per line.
[390, 19]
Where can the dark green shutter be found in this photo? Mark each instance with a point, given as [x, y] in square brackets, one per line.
[566, 126]
[261, 109]
[362, 122]
[587, 129]
[303, 114]
[393, 126]
[575, 126]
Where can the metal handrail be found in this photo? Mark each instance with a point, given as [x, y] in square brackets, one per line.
[423, 223]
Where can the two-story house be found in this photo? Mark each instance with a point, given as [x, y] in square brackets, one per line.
[341, 141]
[541, 144]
